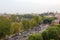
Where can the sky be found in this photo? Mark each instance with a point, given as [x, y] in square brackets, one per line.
[29, 6]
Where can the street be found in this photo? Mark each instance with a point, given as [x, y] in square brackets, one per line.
[24, 35]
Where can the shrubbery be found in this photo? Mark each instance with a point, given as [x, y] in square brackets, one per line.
[52, 33]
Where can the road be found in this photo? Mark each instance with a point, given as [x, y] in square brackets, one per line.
[24, 35]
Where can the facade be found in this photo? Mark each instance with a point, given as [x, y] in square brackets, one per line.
[57, 21]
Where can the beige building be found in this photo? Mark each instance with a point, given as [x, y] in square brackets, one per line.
[57, 21]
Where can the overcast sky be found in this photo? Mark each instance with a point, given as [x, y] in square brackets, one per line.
[29, 6]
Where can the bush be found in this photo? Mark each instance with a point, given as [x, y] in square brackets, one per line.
[52, 33]
[45, 35]
[35, 37]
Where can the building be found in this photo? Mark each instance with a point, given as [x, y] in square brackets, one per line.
[57, 21]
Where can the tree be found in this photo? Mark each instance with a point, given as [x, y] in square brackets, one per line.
[38, 19]
[45, 35]
[13, 18]
[4, 26]
[35, 37]
[25, 24]
[49, 20]
[15, 27]
[33, 23]
[53, 33]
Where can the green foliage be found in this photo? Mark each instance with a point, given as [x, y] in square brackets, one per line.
[59, 25]
[52, 33]
[51, 19]
[25, 24]
[15, 27]
[4, 26]
[33, 23]
[35, 37]
[45, 35]
[13, 18]
[52, 39]
[38, 19]
[9, 26]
